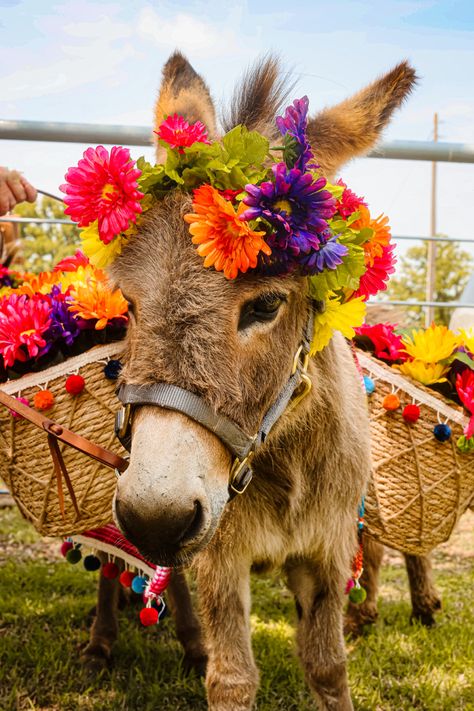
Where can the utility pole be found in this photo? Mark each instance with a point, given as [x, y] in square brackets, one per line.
[431, 258]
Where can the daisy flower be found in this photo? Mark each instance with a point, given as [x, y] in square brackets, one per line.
[432, 344]
[103, 187]
[23, 324]
[465, 390]
[377, 275]
[71, 264]
[349, 201]
[381, 233]
[99, 254]
[94, 301]
[425, 373]
[225, 241]
[337, 316]
[387, 344]
[180, 134]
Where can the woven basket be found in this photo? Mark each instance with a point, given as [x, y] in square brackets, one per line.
[25, 462]
[420, 486]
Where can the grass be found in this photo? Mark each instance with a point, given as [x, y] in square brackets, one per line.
[44, 604]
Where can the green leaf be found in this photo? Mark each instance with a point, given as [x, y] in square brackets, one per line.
[345, 276]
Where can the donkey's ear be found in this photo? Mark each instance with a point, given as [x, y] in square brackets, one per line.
[354, 126]
[184, 92]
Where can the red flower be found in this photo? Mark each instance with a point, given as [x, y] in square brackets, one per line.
[72, 264]
[180, 134]
[349, 201]
[465, 390]
[376, 277]
[387, 344]
[103, 187]
[23, 321]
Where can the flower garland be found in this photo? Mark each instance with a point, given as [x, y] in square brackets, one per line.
[251, 211]
[49, 317]
[436, 357]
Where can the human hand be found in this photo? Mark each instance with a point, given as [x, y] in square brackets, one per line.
[14, 188]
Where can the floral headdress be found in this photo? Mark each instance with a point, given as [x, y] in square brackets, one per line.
[251, 212]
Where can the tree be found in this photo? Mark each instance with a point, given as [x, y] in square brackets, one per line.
[43, 245]
[453, 269]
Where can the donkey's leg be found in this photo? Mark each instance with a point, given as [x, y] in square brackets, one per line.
[424, 596]
[188, 628]
[319, 594]
[224, 601]
[104, 630]
[357, 616]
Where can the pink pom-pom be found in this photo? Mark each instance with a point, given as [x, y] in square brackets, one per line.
[349, 585]
[14, 414]
[65, 547]
[110, 571]
[148, 616]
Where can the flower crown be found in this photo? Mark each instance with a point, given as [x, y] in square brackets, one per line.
[251, 212]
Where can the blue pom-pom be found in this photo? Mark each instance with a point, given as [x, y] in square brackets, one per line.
[442, 432]
[369, 385]
[138, 584]
[91, 562]
[112, 369]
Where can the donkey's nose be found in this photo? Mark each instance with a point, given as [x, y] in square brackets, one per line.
[150, 529]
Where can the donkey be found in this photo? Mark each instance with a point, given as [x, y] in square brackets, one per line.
[234, 345]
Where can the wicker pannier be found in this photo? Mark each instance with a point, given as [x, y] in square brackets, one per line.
[420, 486]
[25, 462]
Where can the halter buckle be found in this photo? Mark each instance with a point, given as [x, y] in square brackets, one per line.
[301, 360]
[241, 474]
[122, 424]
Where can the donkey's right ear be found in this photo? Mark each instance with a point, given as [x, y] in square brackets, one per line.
[184, 92]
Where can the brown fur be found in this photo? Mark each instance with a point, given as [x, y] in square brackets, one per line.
[299, 512]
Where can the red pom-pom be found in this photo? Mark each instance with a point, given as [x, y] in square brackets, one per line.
[149, 616]
[65, 547]
[411, 413]
[391, 402]
[75, 384]
[110, 570]
[126, 578]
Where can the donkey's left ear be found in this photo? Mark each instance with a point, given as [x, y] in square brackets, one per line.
[352, 128]
[184, 92]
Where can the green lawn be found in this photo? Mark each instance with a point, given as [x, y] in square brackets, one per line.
[396, 667]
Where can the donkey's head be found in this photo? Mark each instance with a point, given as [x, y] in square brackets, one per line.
[233, 343]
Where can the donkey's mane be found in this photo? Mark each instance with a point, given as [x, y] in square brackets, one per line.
[259, 95]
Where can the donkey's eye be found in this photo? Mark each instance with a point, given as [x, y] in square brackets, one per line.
[265, 308]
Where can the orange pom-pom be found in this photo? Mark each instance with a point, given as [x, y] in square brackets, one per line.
[391, 402]
[75, 384]
[43, 400]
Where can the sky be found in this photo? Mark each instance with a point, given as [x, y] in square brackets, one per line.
[100, 62]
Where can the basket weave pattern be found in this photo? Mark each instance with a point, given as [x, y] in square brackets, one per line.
[25, 460]
[420, 486]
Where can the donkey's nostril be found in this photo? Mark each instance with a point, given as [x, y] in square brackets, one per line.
[195, 524]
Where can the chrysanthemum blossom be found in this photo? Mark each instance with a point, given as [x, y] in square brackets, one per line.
[23, 323]
[432, 344]
[349, 201]
[337, 316]
[71, 264]
[465, 390]
[425, 373]
[381, 233]
[225, 241]
[103, 187]
[387, 344]
[292, 125]
[376, 276]
[180, 134]
[95, 301]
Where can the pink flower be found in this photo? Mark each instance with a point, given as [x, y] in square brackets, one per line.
[376, 277]
[180, 134]
[349, 201]
[387, 344]
[465, 390]
[103, 187]
[23, 321]
[72, 264]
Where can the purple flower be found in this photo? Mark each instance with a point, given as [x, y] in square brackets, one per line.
[293, 126]
[327, 256]
[63, 324]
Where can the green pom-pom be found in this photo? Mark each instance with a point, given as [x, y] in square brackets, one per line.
[357, 595]
[73, 556]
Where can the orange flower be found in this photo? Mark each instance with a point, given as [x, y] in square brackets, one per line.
[38, 283]
[225, 241]
[381, 237]
[95, 300]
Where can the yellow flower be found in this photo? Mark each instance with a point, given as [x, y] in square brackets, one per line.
[431, 345]
[426, 373]
[467, 339]
[337, 316]
[100, 254]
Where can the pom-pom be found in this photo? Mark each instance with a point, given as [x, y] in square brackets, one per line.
[73, 556]
[66, 546]
[112, 369]
[24, 401]
[369, 385]
[349, 585]
[126, 578]
[139, 584]
[411, 413]
[91, 562]
[442, 432]
[465, 444]
[75, 384]
[149, 616]
[43, 400]
[391, 402]
[110, 571]
[357, 595]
